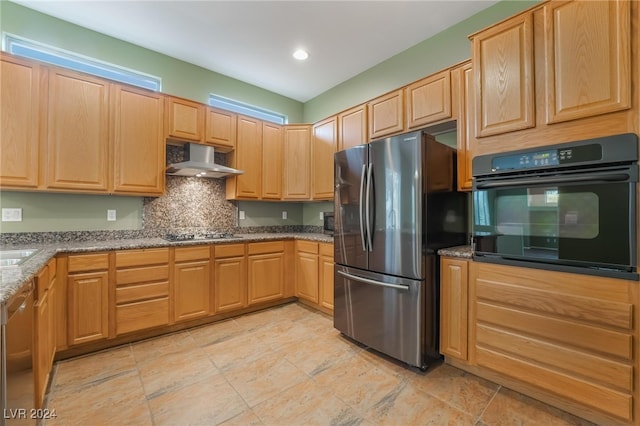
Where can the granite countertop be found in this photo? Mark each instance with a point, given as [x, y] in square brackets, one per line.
[14, 279]
[464, 252]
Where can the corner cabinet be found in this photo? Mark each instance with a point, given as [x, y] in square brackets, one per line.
[19, 122]
[77, 136]
[138, 142]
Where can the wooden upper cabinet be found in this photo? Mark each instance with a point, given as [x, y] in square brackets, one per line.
[297, 162]
[386, 115]
[272, 163]
[587, 58]
[77, 138]
[248, 158]
[220, 129]
[184, 119]
[465, 124]
[429, 100]
[352, 127]
[19, 122]
[324, 143]
[138, 142]
[502, 59]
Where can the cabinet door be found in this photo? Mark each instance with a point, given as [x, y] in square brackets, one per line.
[324, 143]
[352, 127]
[230, 284]
[587, 71]
[386, 115]
[266, 277]
[454, 307]
[297, 162]
[138, 142]
[307, 276]
[502, 59]
[272, 152]
[191, 290]
[466, 126]
[88, 307]
[42, 356]
[325, 277]
[184, 119]
[19, 122]
[247, 157]
[220, 129]
[78, 132]
[429, 100]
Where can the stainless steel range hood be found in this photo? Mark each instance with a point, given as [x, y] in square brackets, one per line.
[199, 161]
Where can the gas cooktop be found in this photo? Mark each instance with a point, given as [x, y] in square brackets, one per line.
[199, 236]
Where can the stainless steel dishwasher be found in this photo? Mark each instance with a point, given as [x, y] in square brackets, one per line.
[16, 340]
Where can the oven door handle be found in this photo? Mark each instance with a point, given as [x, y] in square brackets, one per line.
[619, 177]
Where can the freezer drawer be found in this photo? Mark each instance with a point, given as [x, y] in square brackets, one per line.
[383, 312]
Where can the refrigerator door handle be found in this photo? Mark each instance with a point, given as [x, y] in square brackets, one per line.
[362, 177]
[373, 282]
[368, 208]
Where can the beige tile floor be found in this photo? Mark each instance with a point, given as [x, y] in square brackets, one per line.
[282, 366]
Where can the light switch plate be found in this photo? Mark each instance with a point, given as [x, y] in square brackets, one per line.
[242, 215]
[111, 215]
[321, 215]
[284, 215]
[11, 214]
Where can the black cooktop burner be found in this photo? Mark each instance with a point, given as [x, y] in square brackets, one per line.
[201, 236]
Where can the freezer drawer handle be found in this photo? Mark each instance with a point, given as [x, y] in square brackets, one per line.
[368, 281]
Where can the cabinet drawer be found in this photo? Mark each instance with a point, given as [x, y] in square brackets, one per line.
[229, 250]
[184, 254]
[88, 262]
[307, 247]
[145, 257]
[266, 247]
[326, 249]
[142, 315]
[142, 274]
[141, 292]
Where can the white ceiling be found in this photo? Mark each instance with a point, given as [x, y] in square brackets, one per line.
[253, 41]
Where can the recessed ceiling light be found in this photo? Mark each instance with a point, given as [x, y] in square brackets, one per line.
[301, 54]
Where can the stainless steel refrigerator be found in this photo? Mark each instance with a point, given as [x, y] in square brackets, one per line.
[395, 206]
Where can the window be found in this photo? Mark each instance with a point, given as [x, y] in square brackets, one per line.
[245, 109]
[41, 52]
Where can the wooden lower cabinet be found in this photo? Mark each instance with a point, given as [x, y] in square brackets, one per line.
[88, 297]
[314, 274]
[191, 283]
[141, 289]
[45, 330]
[230, 277]
[266, 271]
[567, 339]
[325, 276]
[454, 284]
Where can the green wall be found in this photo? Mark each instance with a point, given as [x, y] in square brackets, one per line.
[178, 77]
[443, 50]
[46, 212]
[59, 212]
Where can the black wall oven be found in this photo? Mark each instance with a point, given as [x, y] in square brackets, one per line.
[569, 207]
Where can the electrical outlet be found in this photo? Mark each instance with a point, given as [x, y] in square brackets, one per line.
[111, 215]
[12, 215]
[321, 215]
[242, 215]
[284, 215]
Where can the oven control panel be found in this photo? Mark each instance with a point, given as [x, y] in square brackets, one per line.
[548, 157]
